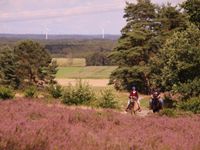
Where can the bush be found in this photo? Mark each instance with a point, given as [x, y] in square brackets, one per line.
[78, 95]
[55, 91]
[107, 99]
[189, 89]
[30, 92]
[168, 112]
[6, 93]
[192, 105]
[169, 102]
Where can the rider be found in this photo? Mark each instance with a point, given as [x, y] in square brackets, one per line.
[156, 95]
[134, 94]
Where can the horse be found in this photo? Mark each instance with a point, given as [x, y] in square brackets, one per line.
[156, 105]
[133, 107]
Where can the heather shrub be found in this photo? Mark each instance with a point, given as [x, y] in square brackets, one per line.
[13, 143]
[192, 105]
[30, 92]
[80, 94]
[107, 99]
[168, 112]
[55, 91]
[6, 93]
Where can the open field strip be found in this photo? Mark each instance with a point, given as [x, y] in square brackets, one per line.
[65, 62]
[89, 72]
[91, 82]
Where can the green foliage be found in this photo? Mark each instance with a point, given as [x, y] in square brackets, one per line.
[192, 105]
[8, 66]
[146, 30]
[107, 99]
[80, 94]
[49, 73]
[169, 102]
[179, 63]
[126, 77]
[30, 92]
[33, 61]
[98, 59]
[77, 48]
[192, 8]
[27, 64]
[168, 112]
[55, 90]
[132, 53]
[189, 89]
[6, 93]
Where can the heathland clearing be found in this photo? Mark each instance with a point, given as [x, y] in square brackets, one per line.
[25, 123]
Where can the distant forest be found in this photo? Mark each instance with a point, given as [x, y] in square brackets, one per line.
[94, 49]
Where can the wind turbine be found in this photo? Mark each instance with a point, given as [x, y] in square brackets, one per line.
[46, 33]
[103, 33]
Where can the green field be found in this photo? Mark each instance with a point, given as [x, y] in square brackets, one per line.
[91, 72]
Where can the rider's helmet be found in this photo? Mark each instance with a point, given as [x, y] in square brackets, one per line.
[133, 88]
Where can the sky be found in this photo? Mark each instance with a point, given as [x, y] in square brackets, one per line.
[64, 16]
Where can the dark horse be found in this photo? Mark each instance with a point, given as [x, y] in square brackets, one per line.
[156, 105]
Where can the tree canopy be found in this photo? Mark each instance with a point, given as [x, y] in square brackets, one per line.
[192, 8]
[148, 26]
[27, 63]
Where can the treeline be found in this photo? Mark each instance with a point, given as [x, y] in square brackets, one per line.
[95, 51]
[79, 48]
[159, 48]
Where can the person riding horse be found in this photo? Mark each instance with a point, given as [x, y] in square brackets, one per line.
[156, 102]
[133, 96]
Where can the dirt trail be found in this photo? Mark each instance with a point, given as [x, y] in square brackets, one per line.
[143, 113]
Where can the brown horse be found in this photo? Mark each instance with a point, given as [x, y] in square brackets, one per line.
[133, 107]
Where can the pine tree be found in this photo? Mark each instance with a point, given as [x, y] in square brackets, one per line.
[192, 8]
[8, 68]
[133, 50]
[148, 27]
[32, 59]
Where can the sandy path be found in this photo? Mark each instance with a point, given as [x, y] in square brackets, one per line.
[92, 82]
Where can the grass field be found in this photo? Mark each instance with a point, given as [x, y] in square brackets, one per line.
[65, 62]
[91, 72]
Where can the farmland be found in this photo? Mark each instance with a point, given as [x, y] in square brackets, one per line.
[89, 72]
[70, 62]
[34, 125]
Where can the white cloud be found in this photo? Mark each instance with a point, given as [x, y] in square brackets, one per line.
[63, 16]
[54, 13]
[20, 10]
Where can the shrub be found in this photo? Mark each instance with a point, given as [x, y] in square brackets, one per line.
[107, 99]
[6, 93]
[168, 112]
[30, 92]
[55, 91]
[169, 102]
[80, 94]
[189, 89]
[192, 105]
